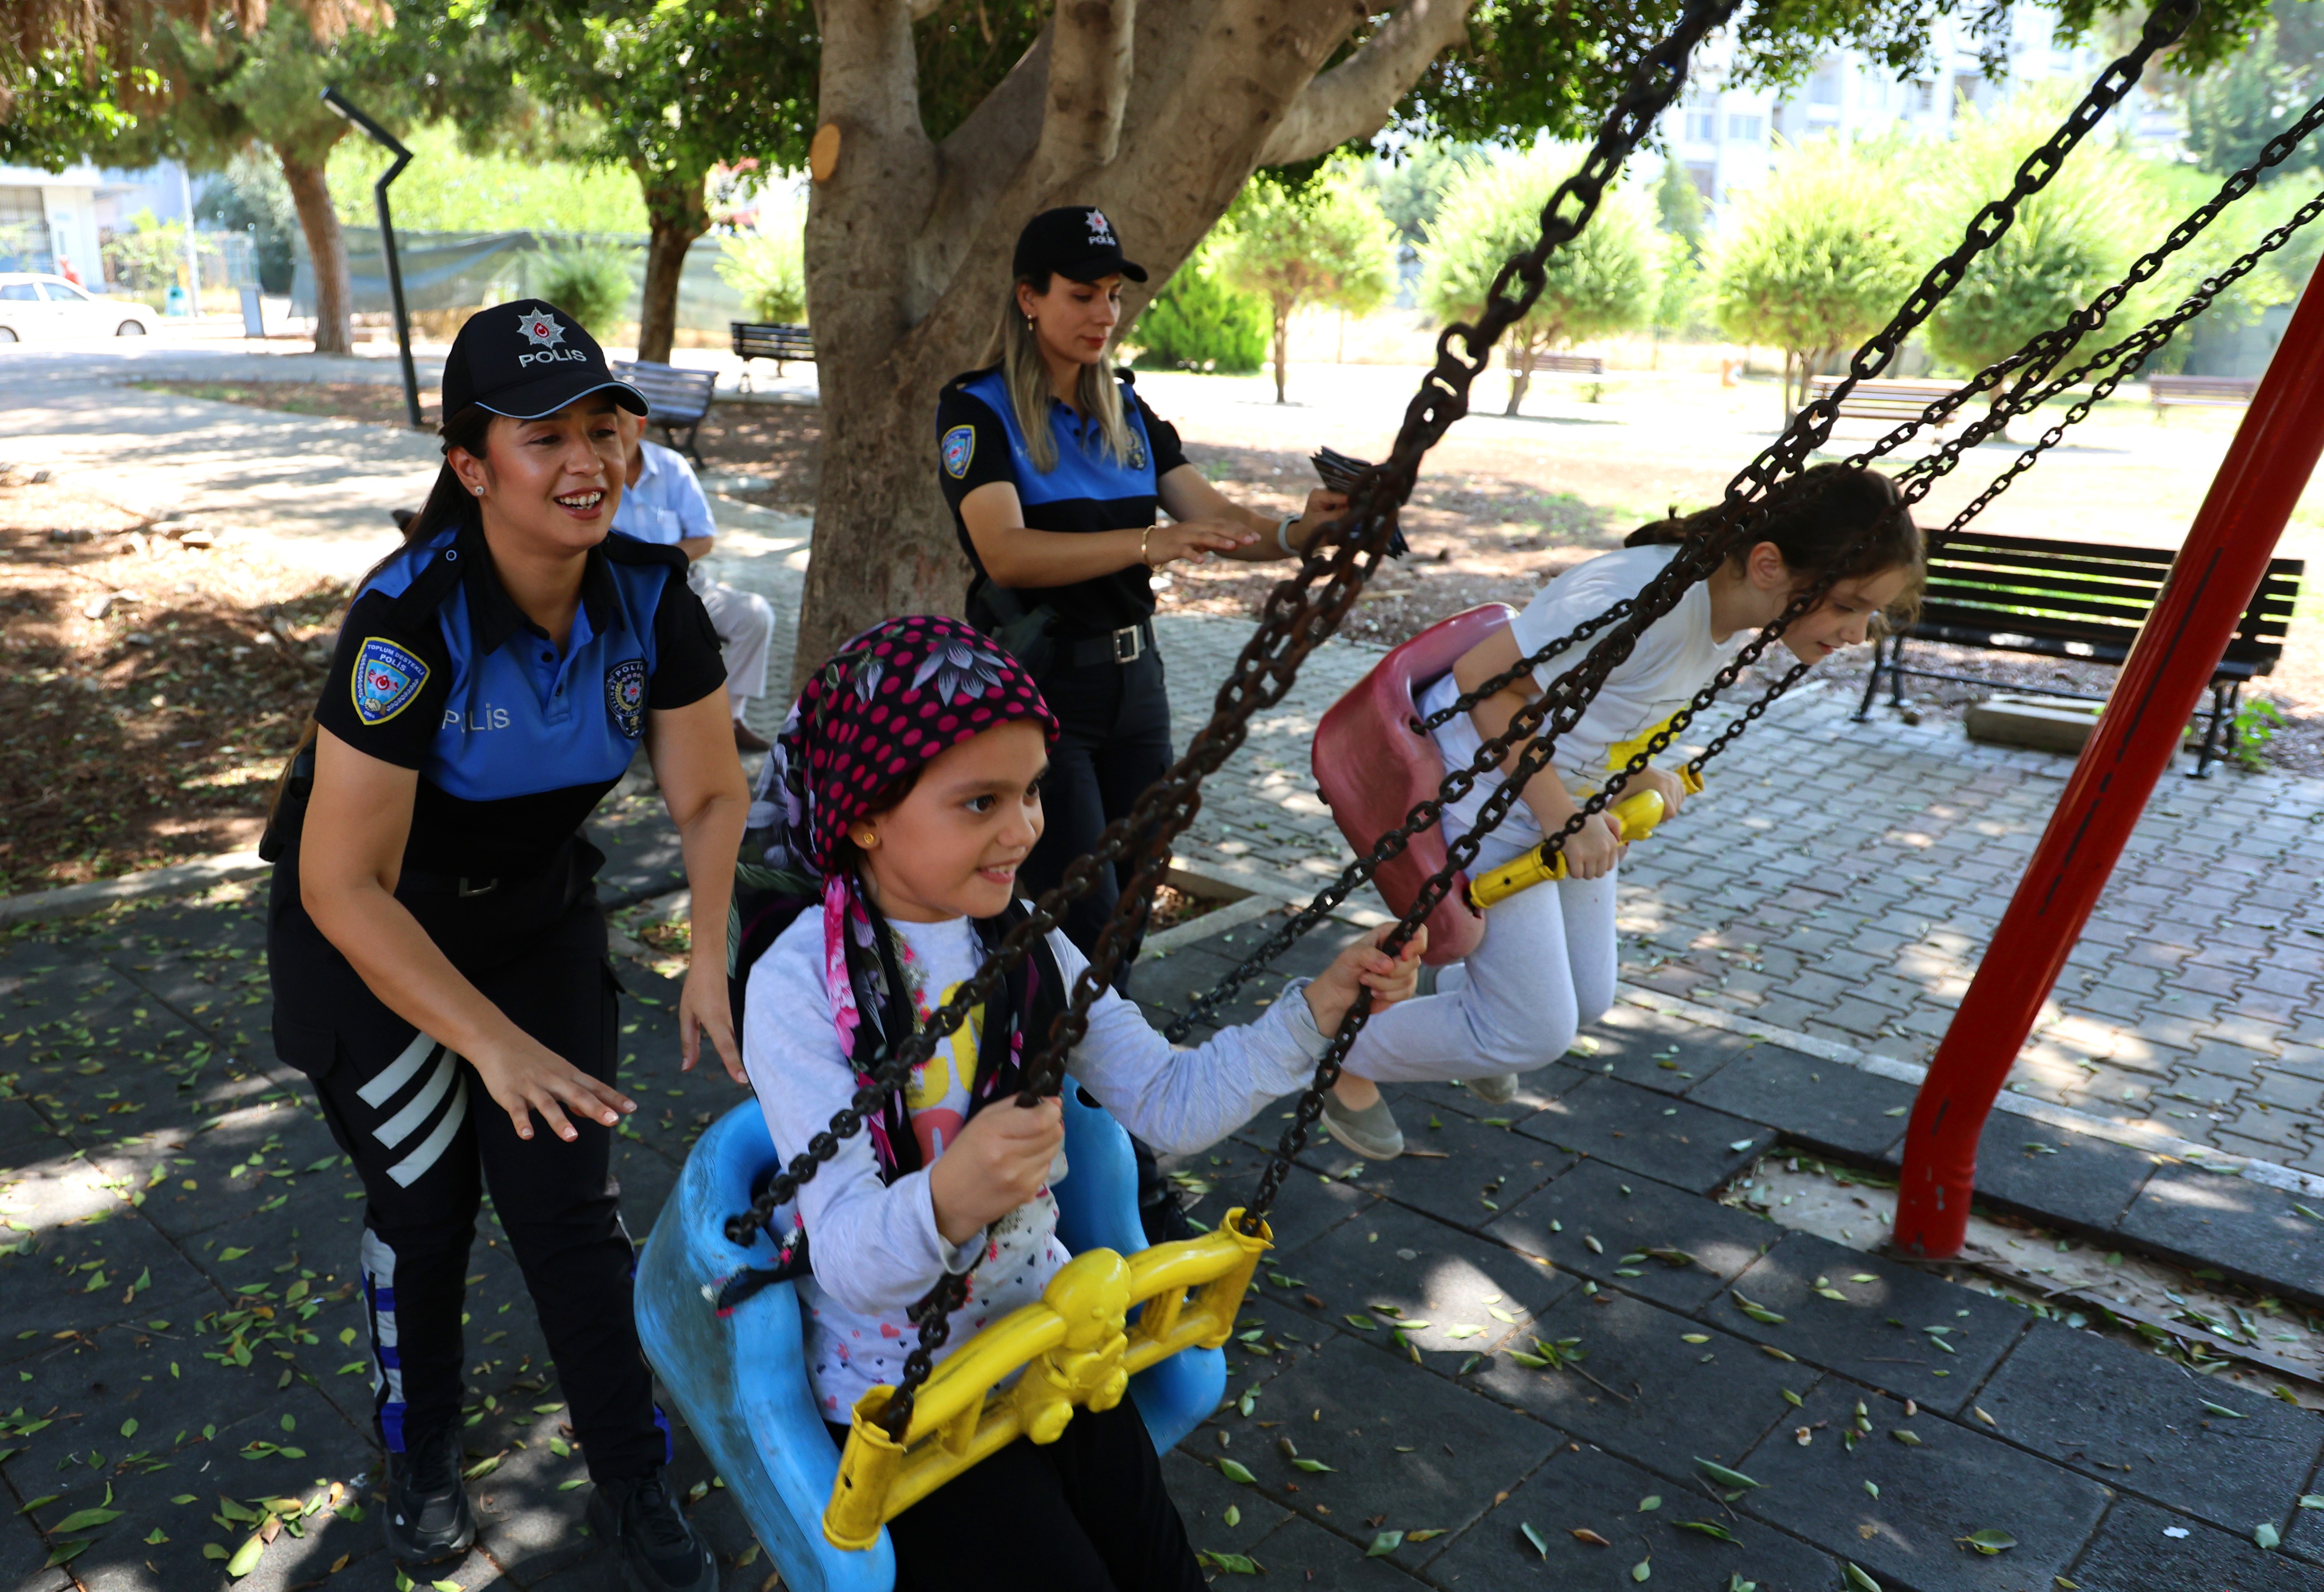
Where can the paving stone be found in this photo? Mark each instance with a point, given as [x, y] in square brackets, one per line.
[1297, 1552]
[1627, 1213]
[1955, 1482]
[1352, 1408]
[1535, 1089]
[25, 1134]
[1447, 1171]
[1204, 1496]
[2305, 1539]
[1876, 1333]
[23, 1559]
[1824, 1105]
[2132, 1553]
[1655, 1051]
[2069, 1178]
[1676, 1141]
[1582, 1487]
[2137, 1421]
[1308, 1206]
[2246, 1229]
[1428, 1271]
[1670, 1400]
[45, 1288]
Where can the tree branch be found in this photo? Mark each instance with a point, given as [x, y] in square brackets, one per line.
[1088, 83]
[1353, 99]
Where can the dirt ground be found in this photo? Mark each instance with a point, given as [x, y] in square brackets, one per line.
[150, 690]
[153, 734]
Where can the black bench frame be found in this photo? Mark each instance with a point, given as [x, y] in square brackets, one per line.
[2078, 600]
[676, 399]
[776, 340]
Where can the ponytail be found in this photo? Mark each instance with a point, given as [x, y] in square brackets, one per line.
[1834, 519]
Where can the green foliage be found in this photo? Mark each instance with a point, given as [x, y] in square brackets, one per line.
[250, 196]
[2067, 242]
[770, 270]
[1678, 205]
[1602, 281]
[2233, 110]
[589, 281]
[448, 189]
[1411, 185]
[1681, 295]
[1326, 243]
[1818, 258]
[147, 259]
[2256, 723]
[1198, 322]
[64, 104]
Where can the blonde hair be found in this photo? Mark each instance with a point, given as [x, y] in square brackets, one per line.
[1018, 352]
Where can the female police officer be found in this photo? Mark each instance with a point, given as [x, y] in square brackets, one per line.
[1054, 468]
[434, 930]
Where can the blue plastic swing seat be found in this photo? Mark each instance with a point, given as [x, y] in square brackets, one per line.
[740, 1381]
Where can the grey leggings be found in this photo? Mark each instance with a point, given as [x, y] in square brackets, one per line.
[1545, 969]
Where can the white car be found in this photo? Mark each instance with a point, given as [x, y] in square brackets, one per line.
[34, 305]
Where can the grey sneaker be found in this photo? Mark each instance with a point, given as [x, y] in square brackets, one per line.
[1499, 1089]
[1371, 1132]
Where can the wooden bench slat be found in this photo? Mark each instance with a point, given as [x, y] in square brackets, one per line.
[676, 399]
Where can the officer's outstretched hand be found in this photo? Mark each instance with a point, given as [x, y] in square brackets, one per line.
[530, 1077]
[703, 1008]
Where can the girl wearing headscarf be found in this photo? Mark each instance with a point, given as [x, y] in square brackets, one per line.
[906, 784]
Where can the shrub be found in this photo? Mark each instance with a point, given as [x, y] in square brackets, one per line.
[1198, 322]
[590, 282]
[1326, 243]
[768, 269]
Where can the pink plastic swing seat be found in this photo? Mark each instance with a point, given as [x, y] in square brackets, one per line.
[1372, 766]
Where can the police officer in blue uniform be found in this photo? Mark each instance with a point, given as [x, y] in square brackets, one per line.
[1055, 470]
[437, 949]
[1058, 475]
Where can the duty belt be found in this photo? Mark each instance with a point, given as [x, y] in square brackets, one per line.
[1126, 645]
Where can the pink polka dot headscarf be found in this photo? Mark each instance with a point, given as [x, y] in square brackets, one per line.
[884, 704]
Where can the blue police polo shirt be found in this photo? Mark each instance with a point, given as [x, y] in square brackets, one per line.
[978, 441]
[515, 739]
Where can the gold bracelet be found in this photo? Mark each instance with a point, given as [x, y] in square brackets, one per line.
[1144, 556]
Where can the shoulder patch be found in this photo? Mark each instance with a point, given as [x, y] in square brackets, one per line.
[387, 679]
[625, 696]
[959, 448]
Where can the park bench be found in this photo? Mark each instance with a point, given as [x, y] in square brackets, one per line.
[1570, 365]
[676, 399]
[2080, 601]
[2166, 392]
[1884, 401]
[757, 340]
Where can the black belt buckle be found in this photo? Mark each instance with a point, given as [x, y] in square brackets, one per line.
[467, 888]
[1137, 643]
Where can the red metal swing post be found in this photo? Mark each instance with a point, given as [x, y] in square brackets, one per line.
[2211, 583]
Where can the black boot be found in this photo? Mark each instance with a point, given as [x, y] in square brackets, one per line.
[641, 1520]
[427, 1517]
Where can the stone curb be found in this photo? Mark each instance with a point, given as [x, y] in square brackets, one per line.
[178, 879]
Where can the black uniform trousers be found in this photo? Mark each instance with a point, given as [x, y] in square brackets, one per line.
[1114, 720]
[427, 1139]
[1085, 1513]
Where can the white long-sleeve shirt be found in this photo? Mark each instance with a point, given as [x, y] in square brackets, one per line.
[874, 1247]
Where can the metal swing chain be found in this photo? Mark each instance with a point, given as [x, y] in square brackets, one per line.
[1807, 430]
[1292, 623]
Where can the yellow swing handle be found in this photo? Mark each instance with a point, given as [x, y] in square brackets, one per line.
[1638, 814]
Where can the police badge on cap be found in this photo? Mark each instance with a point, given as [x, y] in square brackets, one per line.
[526, 359]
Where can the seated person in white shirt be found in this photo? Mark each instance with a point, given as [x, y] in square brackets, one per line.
[663, 502]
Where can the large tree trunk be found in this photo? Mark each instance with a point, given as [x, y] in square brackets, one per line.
[327, 248]
[1156, 114]
[676, 214]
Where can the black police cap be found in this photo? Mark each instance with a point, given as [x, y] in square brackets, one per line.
[526, 359]
[1076, 243]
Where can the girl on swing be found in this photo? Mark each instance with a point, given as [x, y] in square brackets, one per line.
[1545, 966]
[909, 782]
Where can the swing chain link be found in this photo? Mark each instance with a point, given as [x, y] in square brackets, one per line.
[1568, 696]
[1291, 624]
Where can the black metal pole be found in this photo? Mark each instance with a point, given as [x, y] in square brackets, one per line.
[387, 141]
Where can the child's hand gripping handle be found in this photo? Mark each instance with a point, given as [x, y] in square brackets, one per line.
[1638, 814]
